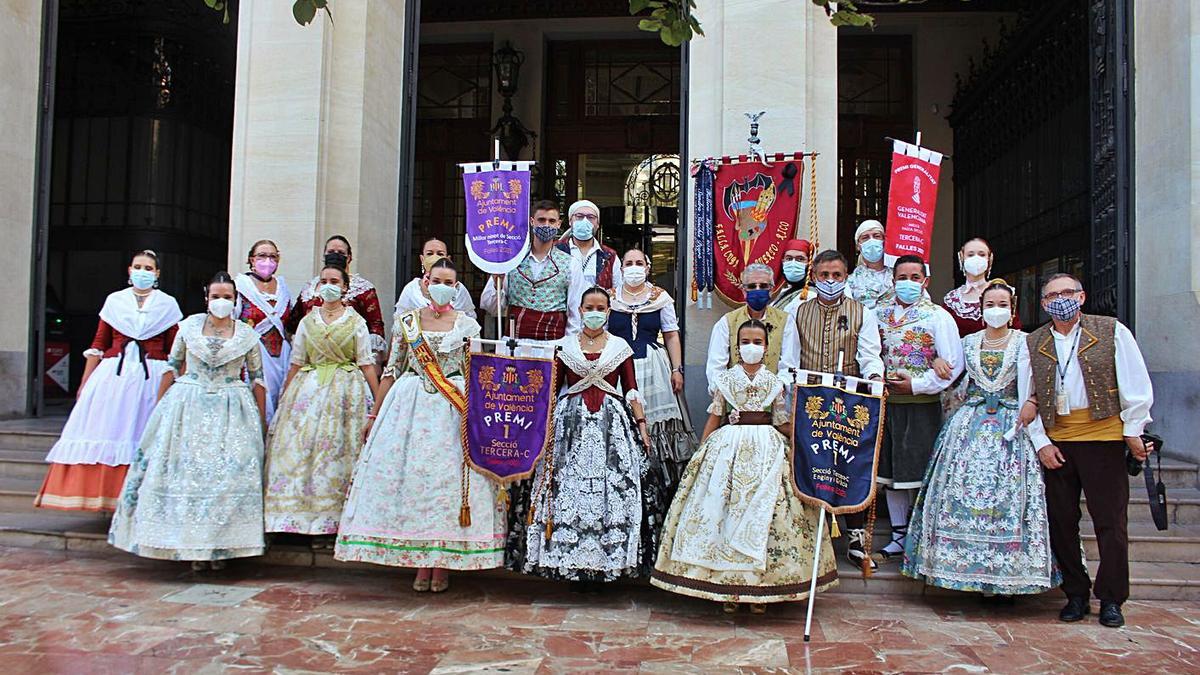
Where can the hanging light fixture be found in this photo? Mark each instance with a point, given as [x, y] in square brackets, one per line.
[512, 133]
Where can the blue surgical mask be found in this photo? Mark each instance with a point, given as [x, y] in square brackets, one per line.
[545, 232]
[594, 320]
[908, 291]
[872, 250]
[757, 299]
[142, 279]
[582, 229]
[830, 289]
[794, 270]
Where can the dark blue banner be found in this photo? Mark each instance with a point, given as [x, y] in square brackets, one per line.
[835, 445]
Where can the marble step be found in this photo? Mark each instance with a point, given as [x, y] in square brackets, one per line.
[16, 494]
[22, 464]
[1183, 506]
[1179, 543]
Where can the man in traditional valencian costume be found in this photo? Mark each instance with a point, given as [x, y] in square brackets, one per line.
[543, 292]
[832, 326]
[916, 334]
[757, 281]
[1091, 401]
[600, 265]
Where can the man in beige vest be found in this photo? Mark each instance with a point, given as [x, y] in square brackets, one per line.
[820, 330]
[757, 281]
[1091, 400]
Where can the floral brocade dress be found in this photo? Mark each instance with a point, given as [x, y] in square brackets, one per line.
[737, 531]
[979, 522]
[194, 490]
[317, 431]
[408, 488]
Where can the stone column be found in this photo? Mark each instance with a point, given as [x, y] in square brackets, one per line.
[316, 136]
[1166, 192]
[774, 55]
[20, 63]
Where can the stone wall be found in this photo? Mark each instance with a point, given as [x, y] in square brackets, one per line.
[20, 68]
[1166, 87]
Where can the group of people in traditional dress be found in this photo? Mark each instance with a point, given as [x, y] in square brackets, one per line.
[990, 433]
[278, 415]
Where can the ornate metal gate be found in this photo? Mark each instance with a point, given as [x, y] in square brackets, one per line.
[1110, 274]
[1042, 153]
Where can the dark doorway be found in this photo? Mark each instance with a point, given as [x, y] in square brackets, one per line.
[1041, 154]
[875, 85]
[140, 158]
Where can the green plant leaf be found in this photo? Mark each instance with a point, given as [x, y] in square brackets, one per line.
[636, 6]
[844, 17]
[304, 11]
[650, 25]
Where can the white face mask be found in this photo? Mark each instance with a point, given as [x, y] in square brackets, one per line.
[751, 353]
[975, 265]
[997, 317]
[220, 307]
[635, 275]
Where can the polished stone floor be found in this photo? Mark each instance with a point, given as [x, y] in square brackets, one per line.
[113, 613]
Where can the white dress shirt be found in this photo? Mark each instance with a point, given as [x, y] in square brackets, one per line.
[1133, 383]
[586, 262]
[867, 354]
[575, 289]
[412, 298]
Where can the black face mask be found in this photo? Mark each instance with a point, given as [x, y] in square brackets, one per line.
[335, 259]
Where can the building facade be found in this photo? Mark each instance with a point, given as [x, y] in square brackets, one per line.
[1072, 124]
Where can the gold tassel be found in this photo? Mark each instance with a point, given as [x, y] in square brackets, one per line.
[464, 515]
[549, 528]
[834, 532]
[502, 498]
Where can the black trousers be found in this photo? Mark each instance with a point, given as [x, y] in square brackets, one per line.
[1098, 469]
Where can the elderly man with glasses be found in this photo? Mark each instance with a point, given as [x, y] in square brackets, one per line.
[758, 280]
[1090, 400]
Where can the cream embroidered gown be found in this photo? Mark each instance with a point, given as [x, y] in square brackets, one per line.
[317, 431]
[736, 531]
[194, 490]
[403, 508]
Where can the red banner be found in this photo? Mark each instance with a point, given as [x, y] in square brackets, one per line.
[755, 214]
[912, 201]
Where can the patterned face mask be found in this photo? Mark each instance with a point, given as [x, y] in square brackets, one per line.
[1063, 309]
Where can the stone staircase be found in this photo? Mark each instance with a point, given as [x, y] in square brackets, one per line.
[1163, 565]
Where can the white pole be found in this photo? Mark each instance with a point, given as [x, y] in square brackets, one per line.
[812, 587]
[499, 279]
[918, 139]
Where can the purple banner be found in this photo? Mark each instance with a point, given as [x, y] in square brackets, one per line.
[510, 414]
[497, 218]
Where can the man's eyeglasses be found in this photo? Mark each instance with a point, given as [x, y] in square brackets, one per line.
[758, 287]
[586, 216]
[1069, 293]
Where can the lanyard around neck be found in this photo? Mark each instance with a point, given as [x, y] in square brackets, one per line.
[1062, 369]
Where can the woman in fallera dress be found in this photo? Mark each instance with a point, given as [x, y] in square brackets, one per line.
[317, 432]
[194, 490]
[979, 523]
[125, 365]
[414, 502]
[965, 303]
[640, 312]
[264, 303]
[360, 295]
[596, 497]
[737, 532]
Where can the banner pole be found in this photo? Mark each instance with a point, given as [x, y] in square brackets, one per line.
[812, 587]
[918, 143]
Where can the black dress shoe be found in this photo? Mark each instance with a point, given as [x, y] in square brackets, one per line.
[1110, 614]
[1075, 609]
